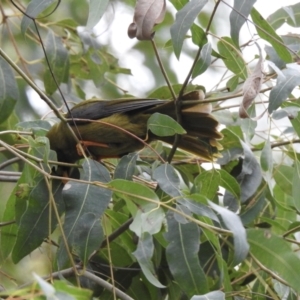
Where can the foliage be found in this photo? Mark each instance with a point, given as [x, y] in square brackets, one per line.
[160, 223]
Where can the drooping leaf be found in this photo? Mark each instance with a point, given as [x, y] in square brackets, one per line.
[168, 180]
[96, 11]
[34, 8]
[234, 224]
[34, 223]
[232, 57]
[163, 125]
[276, 255]
[249, 178]
[182, 256]
[184, 20]
[147, 14]
[238, 16]
[266, 32]
[9, 93]
[59, 62]
[126, 166]
[252, 86]
[144, 254]
[287, 80]
[204, 61]
[266, 158]
[81, 200]
[88, 230]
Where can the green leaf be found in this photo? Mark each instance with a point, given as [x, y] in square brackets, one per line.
[238, 16]
[126, 167]
[282, 16]
[294, 120]
[232, 83]
[34, 223]
[59, 62]
[144, 254]
[266, 32]
[182, 256]
[234, 224]
[34, 8]
[204, 61]
[287, 80]
[133, 191]
[143, 204]
[276, 255]
[82, 200]
[266, 158]
[208, 183]
[229, 183]
[64, 290]
[248, 216]
[296, 184]
[184, 20]
[9, 93]
[232, 57]
[199, 37]
[89, 231]
[163, 125]
[96, 11]
[283, 176]
[168, 180]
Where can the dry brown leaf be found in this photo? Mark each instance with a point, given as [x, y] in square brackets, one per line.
[147, 14]
[252, 86]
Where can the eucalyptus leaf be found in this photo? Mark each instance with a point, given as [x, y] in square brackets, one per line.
[82, 199]
[182, 256]
[143, 254]
[238, 16]
[286, 82]
[275, 254]
[34, 223]
[266, 32]
[234, 224]
[96, 11]
[9, 93]
[232, 57]
[163, 125]
[126, 167]
[204, 61]
[34, 8]
[286, 14]
[58, 58]
[168, 180]
[184, 20]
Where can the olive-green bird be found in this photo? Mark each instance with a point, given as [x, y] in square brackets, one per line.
[103, 141]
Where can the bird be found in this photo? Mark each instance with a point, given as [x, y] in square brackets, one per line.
[110, 128]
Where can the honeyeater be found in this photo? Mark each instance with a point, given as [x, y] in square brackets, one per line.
[102, 140]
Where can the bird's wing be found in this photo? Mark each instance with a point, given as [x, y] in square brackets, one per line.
[97, 109]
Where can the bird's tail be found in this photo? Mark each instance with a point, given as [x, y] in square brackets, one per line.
[201, 126]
